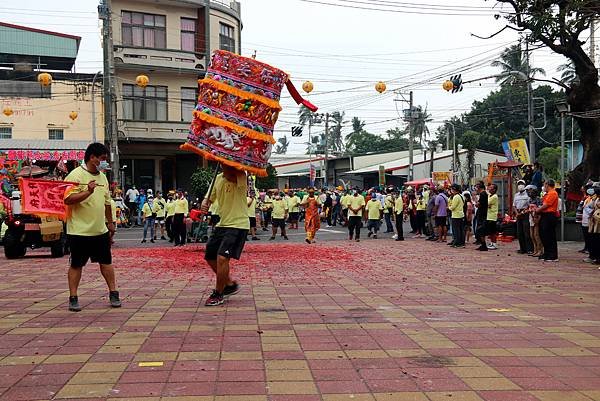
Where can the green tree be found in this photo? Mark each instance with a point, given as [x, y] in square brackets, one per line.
[420, 130]
[512, 59]
[550, 159]
[567, 73]
[268, 182]
[336, 140]
[282, 145]
[470, 141]
[358, 127]
[200, 181]
[560, 25]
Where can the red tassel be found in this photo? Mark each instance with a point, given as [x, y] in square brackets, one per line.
[298, 98]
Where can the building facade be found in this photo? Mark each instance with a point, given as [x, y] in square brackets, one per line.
[45, 124]
[170, 42]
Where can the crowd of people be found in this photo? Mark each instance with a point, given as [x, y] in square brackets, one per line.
[588, 215]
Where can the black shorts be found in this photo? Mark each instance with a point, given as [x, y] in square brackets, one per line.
[227, 242]
[278, 223]
[491, 227]
[441, 221]
[252, 222]
[294, 216]
[96, 249]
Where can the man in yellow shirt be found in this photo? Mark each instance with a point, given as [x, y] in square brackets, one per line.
[267, 210]
[229, 237]
[294, 208]
[388, 211]
[492, 216]
[356, 207]
[374, 214]
[160, 206]
[399, 213]
[279, 214]
[148, 218]
[90, 224]
[252, 217]
[181, 212]
[456, 206]
[170, 212]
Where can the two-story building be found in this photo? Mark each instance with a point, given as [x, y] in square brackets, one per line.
[44, 123]
[170, 42]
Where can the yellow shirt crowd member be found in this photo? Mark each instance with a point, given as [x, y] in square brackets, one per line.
[280, 209]
[293, 204]
[87, 218]
[251, 207]
[355, 202]
[344, 201]
[233, 202]
[214, 208]
[160, 208]
[457, 207]
[492, 212]
[388, 203]
[147, 210]
[170, 209]
[374, 209]
[421, 204]
[399, 205]
[181, 206]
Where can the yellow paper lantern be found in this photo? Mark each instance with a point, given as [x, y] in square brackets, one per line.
[7, 111]
[44, 79]
[448, 85]
[73, 115]
[380, 87]
[142, 81]
[307, 86]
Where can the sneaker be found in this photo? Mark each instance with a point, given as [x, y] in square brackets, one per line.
[369, 234]
[74, 304]
[215, 299]
[152, 241]
[143, 241]
[230, 290]
[285, 237]
[113, 297]
[374, 236]
[272, 238]
[482, 248]
[492, 246]
[163, 238]
[551, 260]
[394, 236]
[308, 241]
[357, 240]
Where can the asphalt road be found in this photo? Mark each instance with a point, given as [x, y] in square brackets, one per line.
[132, 237]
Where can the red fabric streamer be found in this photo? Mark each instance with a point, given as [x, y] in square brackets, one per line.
[298, 98]
[44, 197]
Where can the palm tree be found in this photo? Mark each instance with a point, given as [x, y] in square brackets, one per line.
[282, 146]
[358, 127]
[305, 116]
[336, 141]
[420, 129]
[512, 59]
[568, 73]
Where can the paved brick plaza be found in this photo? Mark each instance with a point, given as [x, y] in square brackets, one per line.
[374, 321]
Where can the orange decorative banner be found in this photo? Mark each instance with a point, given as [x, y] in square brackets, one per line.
[44, 197]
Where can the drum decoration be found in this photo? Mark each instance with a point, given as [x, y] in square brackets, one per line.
[238, 106]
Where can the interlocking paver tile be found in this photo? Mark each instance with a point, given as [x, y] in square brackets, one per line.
[473, 328]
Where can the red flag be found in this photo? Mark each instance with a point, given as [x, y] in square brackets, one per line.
[44, 197]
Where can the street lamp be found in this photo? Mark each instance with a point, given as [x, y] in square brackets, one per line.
[563, 108]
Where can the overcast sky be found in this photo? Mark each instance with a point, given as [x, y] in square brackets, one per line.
[344, 51]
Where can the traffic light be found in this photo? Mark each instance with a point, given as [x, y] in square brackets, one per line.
[296, 131]
[454, 84]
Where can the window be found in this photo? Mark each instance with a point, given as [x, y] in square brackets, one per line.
[147, 104]
[143, 30]
[56, 134]
[188, 103]
[226, 38]
[188, 34]
[5, 133]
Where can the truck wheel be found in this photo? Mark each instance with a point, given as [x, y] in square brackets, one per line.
[13, 247]
[57, 249]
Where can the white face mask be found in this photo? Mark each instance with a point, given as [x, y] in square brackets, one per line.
[521, 188]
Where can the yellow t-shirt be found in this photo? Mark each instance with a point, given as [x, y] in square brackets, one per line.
[267, 203]
[492, 212]
[421, 205]
[457, 207]
[113, 209]
[374, 209]
[87, 218]
[399, 205]
[181, 206]
[160, 207]
[355, 202]
[426, 197]
[252, 208]
[293, 204]
[147, 210]
[280, 207]
[214, 208]
[170, 209]
[233, 201]
[388, 203]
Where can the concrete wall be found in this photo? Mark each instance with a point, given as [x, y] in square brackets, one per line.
[32, 117]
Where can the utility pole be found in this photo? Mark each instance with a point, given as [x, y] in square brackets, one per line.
[325, 163]
[110, 109]
[411, 146]
[529, 106]
[593, 40]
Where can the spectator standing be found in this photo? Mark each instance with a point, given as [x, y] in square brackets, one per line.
[161, 213]
[374, 215]
[537, 178]
[548, 217]
[181, 212]
[521, 207]
[441, 214]
[148, 218]
[492, 216]
[356, 205]
[457, 206]
[481, 216]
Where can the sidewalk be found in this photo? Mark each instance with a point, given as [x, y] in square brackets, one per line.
[372, 321]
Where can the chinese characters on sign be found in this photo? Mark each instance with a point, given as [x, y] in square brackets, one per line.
[44, 197]
[442, 177]
[516, 150]
[45, 155]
